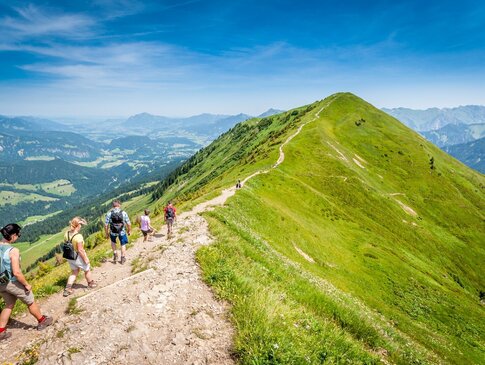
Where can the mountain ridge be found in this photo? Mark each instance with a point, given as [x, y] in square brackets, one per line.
[372, 217]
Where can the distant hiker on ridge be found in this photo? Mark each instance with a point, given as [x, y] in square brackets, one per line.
[170, 216]
[82, 260]
[238, 184]
[115, 222]
[13, 284]
[145, 225]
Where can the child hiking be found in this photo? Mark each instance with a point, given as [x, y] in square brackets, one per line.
[145, 225]
[115, 223]
[170, 214]
[81, 262]
[13, 284]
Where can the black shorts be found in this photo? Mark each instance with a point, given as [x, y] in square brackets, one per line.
[145, 233]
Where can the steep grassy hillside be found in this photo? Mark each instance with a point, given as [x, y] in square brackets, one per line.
[364, 245]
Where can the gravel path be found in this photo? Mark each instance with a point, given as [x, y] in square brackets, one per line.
[164, 315]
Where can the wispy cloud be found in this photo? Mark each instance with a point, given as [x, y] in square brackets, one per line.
[32, 22]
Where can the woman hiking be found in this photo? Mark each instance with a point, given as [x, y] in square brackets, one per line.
[82, 260]
[13, 284]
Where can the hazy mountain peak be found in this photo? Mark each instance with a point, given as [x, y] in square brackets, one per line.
[270, 112]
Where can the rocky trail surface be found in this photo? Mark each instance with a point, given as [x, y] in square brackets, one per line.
[164, 314]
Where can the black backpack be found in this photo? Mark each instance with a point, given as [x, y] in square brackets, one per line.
[170, 213]
[116, 221]
[68, 251]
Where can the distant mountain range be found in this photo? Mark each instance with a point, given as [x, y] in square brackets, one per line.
[206, 125]
[46, 166]
[435, 118]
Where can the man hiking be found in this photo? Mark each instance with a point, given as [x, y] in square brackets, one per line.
[170, 216]
[13, 284]
[117, 225]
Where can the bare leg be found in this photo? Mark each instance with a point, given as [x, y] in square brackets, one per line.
[34, 309]
[123, 250]
[72, 277]
[5, 315]
[88, 276]
[113, 246]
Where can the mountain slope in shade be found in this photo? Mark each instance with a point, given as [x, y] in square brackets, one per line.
[452, 134]
[19, 144]
[364, 246]
[30, 124]
[471, 154]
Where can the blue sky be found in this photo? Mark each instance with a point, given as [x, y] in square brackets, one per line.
[179, 58]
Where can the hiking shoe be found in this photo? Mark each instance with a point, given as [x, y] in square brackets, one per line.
[92, 284]
[123, 260]
[5, 335]
[67, 292]
[115, 257]
[46, 322]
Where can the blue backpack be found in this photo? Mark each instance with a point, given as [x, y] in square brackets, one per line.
[4, 272]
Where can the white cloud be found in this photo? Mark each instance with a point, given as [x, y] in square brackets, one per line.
[32, 21]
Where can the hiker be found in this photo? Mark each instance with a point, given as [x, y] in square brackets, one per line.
[170, 216]
[145, 225]
[115, 222]
[238, 184]
[82, 260]
[13, 284]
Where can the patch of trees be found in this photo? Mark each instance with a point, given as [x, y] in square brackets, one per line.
[359, 122]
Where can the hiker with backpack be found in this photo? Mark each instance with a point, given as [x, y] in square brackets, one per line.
[117, 225]
[73, 251]
[13, 284]
[145, 225]
[170, 214]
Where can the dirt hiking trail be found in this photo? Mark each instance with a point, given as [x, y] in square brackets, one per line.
[163, 315]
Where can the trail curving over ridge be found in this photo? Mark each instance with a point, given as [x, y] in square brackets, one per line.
[162, 315]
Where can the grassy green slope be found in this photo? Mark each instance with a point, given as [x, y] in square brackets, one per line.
[353, 249]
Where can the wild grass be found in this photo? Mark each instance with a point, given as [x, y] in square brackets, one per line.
[72, 307]
[416, 278]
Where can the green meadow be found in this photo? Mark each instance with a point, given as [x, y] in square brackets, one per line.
[37, 218]
[58, 187]
[12, 197]
[32, 251]
[18, 193]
